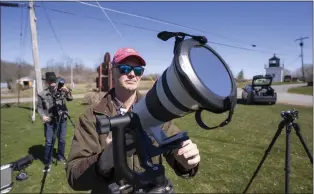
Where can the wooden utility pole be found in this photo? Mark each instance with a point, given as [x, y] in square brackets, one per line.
[72, 83]
[301, 45]
[18, 84]
[32, 19]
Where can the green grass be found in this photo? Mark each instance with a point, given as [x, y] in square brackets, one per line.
[306, 90]
[229, 156]
[284, 83]
[243, 84]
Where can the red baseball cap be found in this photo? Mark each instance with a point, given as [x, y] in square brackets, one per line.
[123, 53]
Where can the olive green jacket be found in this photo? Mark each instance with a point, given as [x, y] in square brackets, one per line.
[87, 145]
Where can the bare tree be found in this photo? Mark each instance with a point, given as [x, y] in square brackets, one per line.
[308, 73]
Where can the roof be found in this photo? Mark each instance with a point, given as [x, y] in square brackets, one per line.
[274, 57]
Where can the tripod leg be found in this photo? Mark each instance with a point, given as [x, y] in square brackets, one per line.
[49, 156]
[298, 132]
[54, 137]
[280, 127]
[57, 133]
[287, 162]
[70, 119]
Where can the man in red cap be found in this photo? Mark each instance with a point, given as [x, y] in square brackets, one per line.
[90, 162]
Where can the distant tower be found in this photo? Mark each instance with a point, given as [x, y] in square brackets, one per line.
[274, 69]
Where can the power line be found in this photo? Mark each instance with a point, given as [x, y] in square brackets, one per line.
[52, 29]
[99, 19]
[147, 29]
[110, 20]
[7, 4]
[162, 22]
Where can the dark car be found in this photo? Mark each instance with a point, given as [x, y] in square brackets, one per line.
[259, 91]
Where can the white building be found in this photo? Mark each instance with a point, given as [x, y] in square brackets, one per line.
[25, 82]
[275, 70]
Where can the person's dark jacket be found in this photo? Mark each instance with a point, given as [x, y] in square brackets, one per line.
[46, 105]
[87, 146]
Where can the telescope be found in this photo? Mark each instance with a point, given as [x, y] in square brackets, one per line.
[198, 79]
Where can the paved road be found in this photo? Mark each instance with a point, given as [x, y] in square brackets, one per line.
[284, 88]
[282, 96]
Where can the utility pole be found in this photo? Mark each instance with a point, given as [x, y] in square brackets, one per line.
[72, 83]
[32, 19]
[19, 84]
[301, 45]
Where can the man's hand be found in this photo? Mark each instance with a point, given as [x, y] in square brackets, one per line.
[65, 89]
[188, 155]
[46, 119]
[105, 162]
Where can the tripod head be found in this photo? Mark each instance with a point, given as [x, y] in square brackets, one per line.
[290, 115]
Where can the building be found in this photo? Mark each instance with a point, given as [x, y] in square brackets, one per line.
[275, 70]
[4, 85]
[25, 82]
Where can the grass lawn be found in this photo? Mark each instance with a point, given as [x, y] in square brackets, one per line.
[306, 90]
[229, 156]
[243, 84]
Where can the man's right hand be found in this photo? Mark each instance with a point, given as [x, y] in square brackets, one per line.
[105, 161]
[46, 119]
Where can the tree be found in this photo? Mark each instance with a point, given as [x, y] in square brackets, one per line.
[308, 73]
[240, 76]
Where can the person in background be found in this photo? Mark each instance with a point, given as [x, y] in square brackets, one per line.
[47, 108]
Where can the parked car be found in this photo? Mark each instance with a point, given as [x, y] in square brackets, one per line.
[260, 90]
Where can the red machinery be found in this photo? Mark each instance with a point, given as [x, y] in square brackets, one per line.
[104, 71]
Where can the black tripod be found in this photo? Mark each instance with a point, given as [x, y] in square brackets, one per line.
[166, 188]
[62, 115]
[288, 122]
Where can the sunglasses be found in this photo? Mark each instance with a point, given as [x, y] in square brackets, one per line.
[126, 69]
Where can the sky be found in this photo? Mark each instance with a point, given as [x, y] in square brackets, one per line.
[272, 26]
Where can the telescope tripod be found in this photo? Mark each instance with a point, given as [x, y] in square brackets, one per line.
[288, 123]
[62, 115]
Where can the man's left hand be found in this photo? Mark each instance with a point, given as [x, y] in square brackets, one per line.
[65, 89]
[188, 155]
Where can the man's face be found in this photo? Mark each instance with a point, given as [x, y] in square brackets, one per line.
[51, 83]
[128, 81]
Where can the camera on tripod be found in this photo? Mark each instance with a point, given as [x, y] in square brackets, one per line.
[288, 123]
[290, 115]
[58, 93]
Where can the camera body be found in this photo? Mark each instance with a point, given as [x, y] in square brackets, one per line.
[290, 115]
[59, 96]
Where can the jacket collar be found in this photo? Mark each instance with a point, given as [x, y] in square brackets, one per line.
[106, 106]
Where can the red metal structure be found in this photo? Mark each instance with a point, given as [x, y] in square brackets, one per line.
[104, 80]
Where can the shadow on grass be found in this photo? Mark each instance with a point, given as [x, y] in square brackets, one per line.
[8, 105]
[241, 101]
[15, 105]
[38, 151]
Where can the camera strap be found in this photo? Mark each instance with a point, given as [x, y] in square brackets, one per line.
[228, 104]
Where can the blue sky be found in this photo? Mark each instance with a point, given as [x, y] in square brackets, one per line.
[271, 26]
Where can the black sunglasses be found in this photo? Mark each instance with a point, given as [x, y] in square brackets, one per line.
[126, 69]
